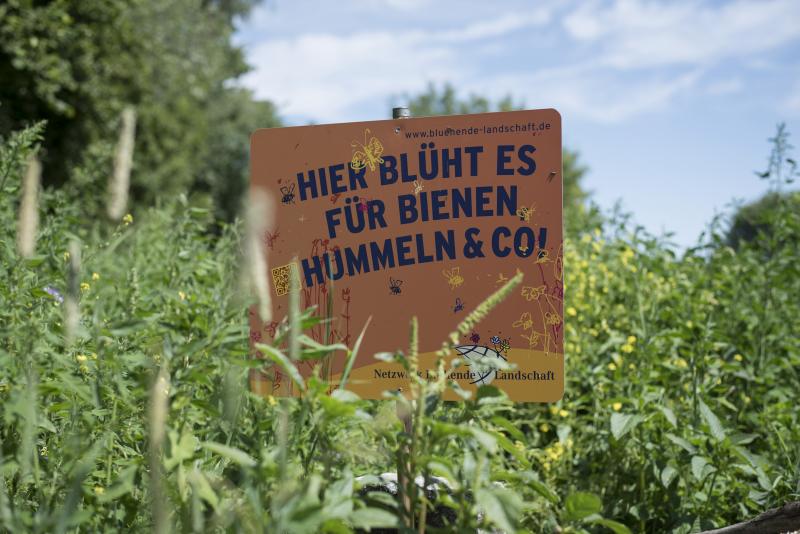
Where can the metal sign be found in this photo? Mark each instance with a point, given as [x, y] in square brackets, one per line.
[425, 217]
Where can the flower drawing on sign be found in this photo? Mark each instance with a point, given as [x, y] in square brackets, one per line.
[525, 322]
[368, 153]
[453, 276]
[533, 339]
[530, 293]
[552, 318]
[417, 187]
[271, 237]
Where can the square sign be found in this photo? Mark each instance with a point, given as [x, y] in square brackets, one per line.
[425, 217]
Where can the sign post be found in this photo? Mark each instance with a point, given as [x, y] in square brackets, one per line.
[420, 217]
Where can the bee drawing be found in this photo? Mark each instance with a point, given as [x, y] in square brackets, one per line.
[454, 277]
[459, 305]
[288, 194]
[524, 213]
[394, 286]
[367, 154]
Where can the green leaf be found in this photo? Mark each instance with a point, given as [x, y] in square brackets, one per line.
[669, 415]
[717, 431]
[351, 355]
[501, 506]
[668, 474]
[580, 505]
[701, 467]
[617, 528]
[510, 448]
[509, 427]
[200, 485]
[487, 441]
[685, 445]
[621, 424]
[121, 486]
[367, 518]
[279, 358]
[235, 455]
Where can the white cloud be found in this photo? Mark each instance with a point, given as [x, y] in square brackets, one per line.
[618, 58]
[641, 34]
[792, 102]
[325, 75]
[725, 87]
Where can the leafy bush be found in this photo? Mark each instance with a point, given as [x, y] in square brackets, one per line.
[679, 413]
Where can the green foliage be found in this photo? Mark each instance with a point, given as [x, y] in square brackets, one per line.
[78, 63]
[680, 405]
[578, 215]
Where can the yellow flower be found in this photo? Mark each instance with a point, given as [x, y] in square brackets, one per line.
[66, 256]
[680, 362]
[127, 219]
[43, 452]
[617, 406]
[83, 368]
[631, 340]
[746, 399]
[95, 277]
[544, 427]
[182, 295]
[554, 409]
[99, 490]
[93, 356]
[627, 348]
[631, 366]
[271, 400]
[689, 324]
[85, 286]
[612, 366]
[81, 358]
[738, 357]
[572, 312]
[563, 413]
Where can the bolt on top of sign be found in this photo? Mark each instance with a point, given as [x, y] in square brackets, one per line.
[425, 217]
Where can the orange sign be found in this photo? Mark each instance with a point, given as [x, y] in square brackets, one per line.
[425, 217]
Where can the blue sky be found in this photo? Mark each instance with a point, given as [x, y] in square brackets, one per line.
[669, 103]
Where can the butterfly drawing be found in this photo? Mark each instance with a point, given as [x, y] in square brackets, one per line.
[524, 322]
[367, 154]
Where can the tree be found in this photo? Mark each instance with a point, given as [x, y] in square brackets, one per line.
[758, 219]
[446, 102]
[78, 63]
